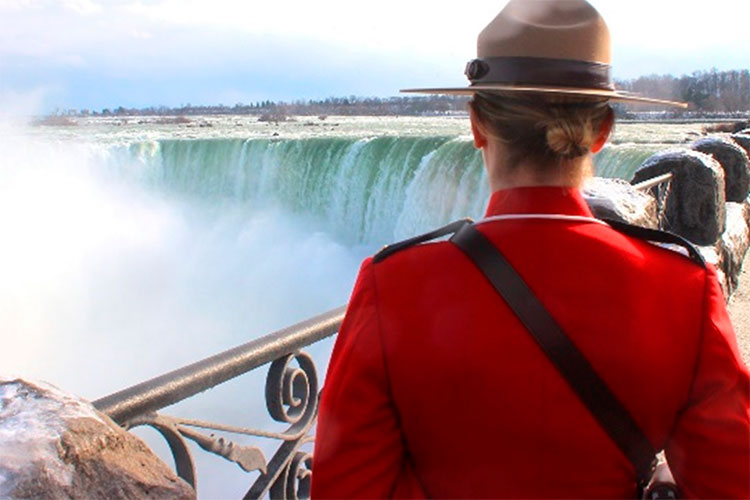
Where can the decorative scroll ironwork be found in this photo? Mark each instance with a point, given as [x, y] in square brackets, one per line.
[249, 458]
[183, 459]
[292, 394]
[291, 397]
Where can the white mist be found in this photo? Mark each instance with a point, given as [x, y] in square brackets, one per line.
[105, 283]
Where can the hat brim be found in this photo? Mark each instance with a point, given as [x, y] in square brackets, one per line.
[614, 95]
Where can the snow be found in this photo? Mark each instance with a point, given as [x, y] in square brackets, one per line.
[33, 417]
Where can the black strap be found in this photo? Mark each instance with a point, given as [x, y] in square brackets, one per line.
[574, 367]
[451, 228]
[657, 236]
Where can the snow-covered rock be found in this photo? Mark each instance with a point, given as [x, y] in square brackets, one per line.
[743, 140]
[617, 199]
[733, 159]
[55, 445]
[695, 204]
[735, 242]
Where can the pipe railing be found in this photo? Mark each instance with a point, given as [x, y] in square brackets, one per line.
[184, 382]
[654, 181]
[291, 397]
[659, 186]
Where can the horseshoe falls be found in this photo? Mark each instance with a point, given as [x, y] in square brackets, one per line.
[368, 191]
[361, 191]
[130, 249]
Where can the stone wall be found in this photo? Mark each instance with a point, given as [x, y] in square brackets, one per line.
[706, 201]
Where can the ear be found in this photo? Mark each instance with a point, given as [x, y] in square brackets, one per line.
[477, 129]
[604, 131]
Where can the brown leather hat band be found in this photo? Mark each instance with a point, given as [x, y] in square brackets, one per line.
[540, 71]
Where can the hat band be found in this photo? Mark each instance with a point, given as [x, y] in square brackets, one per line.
[540, 71]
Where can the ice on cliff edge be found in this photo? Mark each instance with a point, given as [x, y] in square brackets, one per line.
[56, 445]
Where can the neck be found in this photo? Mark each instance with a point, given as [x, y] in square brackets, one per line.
[571, 173]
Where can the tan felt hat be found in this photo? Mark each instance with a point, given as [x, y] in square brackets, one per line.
[545, 46]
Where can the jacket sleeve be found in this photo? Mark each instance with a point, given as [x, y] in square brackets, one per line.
[359, 450]
[709, 451]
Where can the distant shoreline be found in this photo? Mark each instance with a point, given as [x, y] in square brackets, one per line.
[680, 121]
[196, 119]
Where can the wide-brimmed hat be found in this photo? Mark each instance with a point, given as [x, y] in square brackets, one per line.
[545, 46]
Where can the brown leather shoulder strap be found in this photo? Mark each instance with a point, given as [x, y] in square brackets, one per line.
[611, 415]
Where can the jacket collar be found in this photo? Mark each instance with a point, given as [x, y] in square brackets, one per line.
[538, 200]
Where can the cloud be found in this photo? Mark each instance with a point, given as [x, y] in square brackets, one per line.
[72, 61]
[18, 106]
[394, 25]
[142, 35]
[16, 5]
[85, 7]
[676, 26]
[144, 52]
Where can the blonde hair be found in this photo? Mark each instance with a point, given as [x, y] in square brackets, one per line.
[547, 129]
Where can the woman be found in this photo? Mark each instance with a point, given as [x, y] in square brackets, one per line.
[435, 388]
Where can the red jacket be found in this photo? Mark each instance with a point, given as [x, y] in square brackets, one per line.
[434, 387]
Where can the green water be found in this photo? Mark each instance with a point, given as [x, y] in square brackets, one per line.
[364, 179]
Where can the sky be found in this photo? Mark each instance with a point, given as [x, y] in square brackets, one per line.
[135, 53]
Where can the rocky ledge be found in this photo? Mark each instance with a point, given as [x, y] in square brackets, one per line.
[54, 445]
[706, 201]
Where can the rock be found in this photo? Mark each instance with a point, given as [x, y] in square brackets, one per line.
[743, 140]
[54, 445]
[728, 254]
[735, 242]
[695, 203]
[733, 159]
[730, 127]
[721, 277]
[713, 255]
[616, 199]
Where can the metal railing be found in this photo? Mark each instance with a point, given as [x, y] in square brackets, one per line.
[654, 181]
[659, 187]
[291, 397]
[291, 392]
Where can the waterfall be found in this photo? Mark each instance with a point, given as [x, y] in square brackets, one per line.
[364, 191]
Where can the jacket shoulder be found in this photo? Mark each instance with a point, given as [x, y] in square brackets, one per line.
[393, 248]
[664, 239]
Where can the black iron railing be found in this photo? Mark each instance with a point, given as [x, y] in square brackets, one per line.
[292, 393]
[292, 390]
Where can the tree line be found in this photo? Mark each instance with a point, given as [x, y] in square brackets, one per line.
[340, 106]
[706, 92]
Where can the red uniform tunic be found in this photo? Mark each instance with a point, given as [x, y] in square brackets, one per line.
[435, 388]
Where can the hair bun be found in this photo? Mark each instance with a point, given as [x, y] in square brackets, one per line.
[569, 139]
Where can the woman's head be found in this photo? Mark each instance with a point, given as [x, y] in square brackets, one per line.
[541, 82]
[544, 47]
[550, 135]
